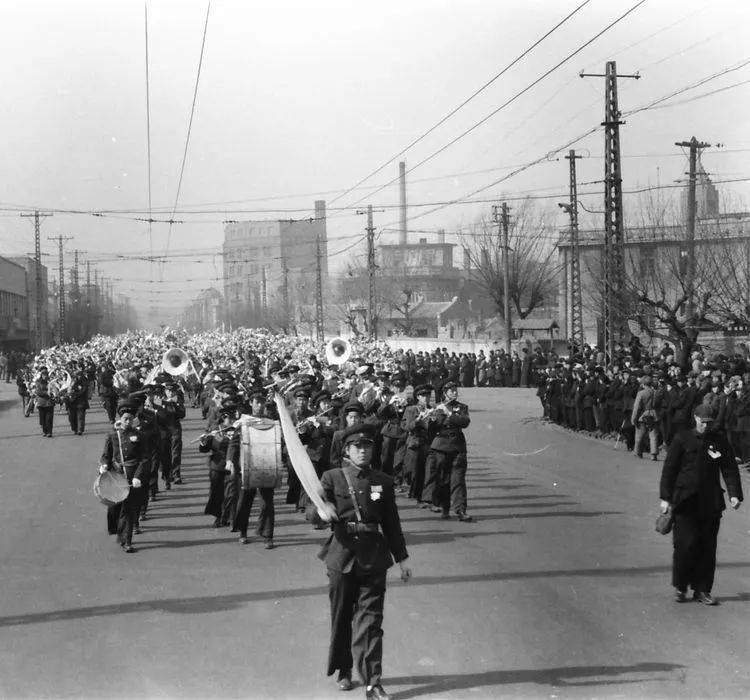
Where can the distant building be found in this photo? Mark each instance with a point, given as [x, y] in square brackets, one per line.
[30, 267]
[645, 248]
[706, 196]
[205, 313]
[256, 255]
[427, 269]
[14, 311]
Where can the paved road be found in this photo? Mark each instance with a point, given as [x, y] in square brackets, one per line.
[560, 589]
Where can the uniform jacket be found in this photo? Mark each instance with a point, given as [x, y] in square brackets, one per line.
[450, 436]
[216, 448]
[41, 394]
[370, 551]
[692, 467]
[643, 407]
[132, 458]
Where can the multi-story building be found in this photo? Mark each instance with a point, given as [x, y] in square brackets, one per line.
[29, 265]
[650, 252]
[262, 257]
[14, 310]
[205, 313]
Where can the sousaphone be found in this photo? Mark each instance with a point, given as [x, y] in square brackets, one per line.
[338, 351]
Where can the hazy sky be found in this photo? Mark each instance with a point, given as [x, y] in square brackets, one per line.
[301, 100]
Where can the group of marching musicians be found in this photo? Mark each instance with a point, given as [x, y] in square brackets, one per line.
[418, 437]
[420, 445]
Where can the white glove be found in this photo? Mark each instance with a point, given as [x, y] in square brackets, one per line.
[229, 467]
[664, 506]
[734, 502]
[136, 483]
[102, 468]
[328, 512]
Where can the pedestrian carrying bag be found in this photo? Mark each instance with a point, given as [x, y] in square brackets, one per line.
[664, 522]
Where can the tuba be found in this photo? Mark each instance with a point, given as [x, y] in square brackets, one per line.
[338, 351]
[175, 361]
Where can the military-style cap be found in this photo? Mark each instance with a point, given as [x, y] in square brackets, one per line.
[257, 394]
[450, 385]
[423, 389]
[354, 406]
[360, 433]
[128, 406]
[704, 412]
[301, 393]
[321, 396]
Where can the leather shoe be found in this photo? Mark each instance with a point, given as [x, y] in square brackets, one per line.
[243, 540]
[464, 517]
[376, 692]
[345, 682]
[269, 543]
[705, 598]
[679, 596]
[129, 548]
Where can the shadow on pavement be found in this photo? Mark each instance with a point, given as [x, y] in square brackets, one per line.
[555, 677]
[514, 516]
[204, 604]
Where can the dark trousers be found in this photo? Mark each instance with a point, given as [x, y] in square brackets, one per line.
[265, 517]
[46, 418]
[231, 495]
[414, 469]
[174, 445]
[77, 418]
[110, 407]
[445, 483]
[356, 601]
[694, 559]
[121, 518]
[215, 493]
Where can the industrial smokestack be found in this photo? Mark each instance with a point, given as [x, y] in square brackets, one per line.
[402, 188]
[320, 208]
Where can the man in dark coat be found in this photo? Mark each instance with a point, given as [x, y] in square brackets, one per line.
[690, 486]
[366, 538]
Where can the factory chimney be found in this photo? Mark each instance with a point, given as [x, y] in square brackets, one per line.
[402, 188]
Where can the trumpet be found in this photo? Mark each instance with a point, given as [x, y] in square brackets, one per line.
[311, 421]
[431, 413]
[213, 433]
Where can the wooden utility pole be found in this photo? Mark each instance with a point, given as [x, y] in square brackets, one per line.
[614, 312]
[506, 277]
[61, 287]
[694, 145]
[319, 322]
[372, 319]
[576, 296]
[38, 330]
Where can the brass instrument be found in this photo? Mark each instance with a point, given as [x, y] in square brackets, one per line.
[430, 414]
[338, 351]
[311, 421]
[213, 433]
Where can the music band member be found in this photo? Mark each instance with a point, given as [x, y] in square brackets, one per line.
[445, 482]
[366, 538]
[123, 452]
[246, 494]
[215, 444]
[45, 402]
[77, 402]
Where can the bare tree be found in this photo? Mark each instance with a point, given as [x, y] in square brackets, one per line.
[533, 264]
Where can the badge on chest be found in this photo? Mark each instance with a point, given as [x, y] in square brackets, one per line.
[376, 492]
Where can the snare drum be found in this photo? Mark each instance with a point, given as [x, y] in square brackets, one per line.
[260, 455]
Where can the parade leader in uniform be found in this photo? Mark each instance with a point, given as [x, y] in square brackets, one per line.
[366, 538]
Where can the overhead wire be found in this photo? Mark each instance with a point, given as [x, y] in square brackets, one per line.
[477, 92]
[508, 102]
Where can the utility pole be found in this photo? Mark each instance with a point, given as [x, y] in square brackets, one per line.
[285, 292]
[263, 289]
[76, 299]
[38, 339]
[319, 324]
[614, 270]
[694, 145]
[88, 299]
[506, 277]
[372, 320]
[61, 289]
[576, 301]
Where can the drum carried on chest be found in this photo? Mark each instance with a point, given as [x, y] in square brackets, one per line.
[260, 454]
[111, 488]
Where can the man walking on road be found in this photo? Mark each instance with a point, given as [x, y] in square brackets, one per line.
[690, 486]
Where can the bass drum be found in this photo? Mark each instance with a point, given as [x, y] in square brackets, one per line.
[111, 488]
[260, 455]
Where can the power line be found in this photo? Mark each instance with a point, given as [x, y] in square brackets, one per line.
[516, 96]
[190, 123]
[465, 102]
